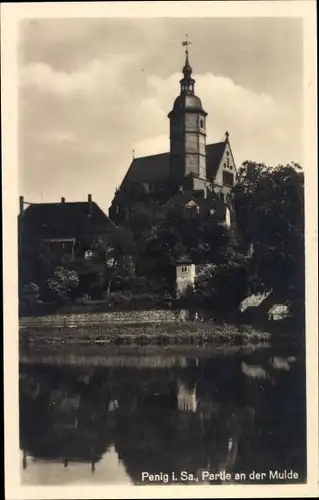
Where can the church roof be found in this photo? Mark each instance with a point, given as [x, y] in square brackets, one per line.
[188, 102]
[211, 205]
[214, 154]
[67, 219]
[148, 168]
[156, 167]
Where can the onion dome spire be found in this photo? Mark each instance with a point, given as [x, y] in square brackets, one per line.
[187, 83]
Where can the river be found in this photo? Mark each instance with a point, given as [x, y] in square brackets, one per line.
[131, 417]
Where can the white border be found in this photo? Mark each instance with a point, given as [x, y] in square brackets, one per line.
[10, 16]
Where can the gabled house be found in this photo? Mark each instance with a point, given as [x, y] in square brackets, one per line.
[66, 230]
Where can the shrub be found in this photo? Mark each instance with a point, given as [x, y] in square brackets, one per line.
[61, 286]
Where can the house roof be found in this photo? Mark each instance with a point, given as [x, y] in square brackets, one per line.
[185, 259]
[211, 202]
[65, 220]
[156, 167]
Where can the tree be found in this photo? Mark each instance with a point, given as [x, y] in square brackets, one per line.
[29, 296]
[119, 259]
[36, 262]
[61, 287]
[193, 234]
[269, 205]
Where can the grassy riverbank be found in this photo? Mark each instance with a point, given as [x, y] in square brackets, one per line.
[183, 333]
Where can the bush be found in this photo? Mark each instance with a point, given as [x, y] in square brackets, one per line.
[62, 285]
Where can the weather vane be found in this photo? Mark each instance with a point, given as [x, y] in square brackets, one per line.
[186, 43]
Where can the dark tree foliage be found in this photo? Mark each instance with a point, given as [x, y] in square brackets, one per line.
[269, 204]
[62, 285]
[141, 258]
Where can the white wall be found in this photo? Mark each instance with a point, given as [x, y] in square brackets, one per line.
[185, 276]
[228, 164]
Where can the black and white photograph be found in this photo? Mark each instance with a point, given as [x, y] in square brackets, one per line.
[163, 238]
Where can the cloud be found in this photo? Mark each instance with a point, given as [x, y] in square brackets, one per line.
[152, 145]
[83, 112]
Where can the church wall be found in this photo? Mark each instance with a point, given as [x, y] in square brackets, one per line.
[202, 167]
[192, 162]
[202, 144]
[177, 145]
[191, 142]
[227, 163]
[200, 184]
[191, 122]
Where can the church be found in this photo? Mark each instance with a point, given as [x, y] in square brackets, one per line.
[192, 175]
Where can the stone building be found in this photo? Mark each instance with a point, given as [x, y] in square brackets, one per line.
[192, 172]
[185, 274]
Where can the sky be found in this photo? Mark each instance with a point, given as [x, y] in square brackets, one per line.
[93, 90]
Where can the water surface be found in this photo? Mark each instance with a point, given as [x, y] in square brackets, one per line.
[109, 420]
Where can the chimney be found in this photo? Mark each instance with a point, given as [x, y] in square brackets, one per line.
[90, 204]
[21, 204]
[62, 200]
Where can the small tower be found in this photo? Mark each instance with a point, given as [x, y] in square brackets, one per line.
[187, 131]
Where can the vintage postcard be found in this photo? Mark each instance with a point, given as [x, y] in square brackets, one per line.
[160, 249]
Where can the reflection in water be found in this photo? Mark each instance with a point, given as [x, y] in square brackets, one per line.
[111, 424]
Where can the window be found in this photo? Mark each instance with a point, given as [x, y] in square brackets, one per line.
[88, 254]
[228, 178]
[184, 269]
[201, 123]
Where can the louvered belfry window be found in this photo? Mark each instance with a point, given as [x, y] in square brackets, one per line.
[228, 178]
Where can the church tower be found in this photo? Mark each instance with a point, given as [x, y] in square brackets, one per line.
[188, 133]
